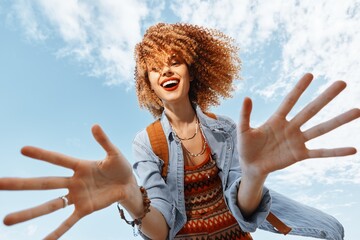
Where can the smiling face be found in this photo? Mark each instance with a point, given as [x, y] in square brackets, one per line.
[170, 79]
[210, 56]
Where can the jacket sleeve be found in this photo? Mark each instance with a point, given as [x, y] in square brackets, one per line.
[304, 220]
[257, 218]
[147, 168]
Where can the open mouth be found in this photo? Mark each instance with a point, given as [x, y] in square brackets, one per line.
[170, 84]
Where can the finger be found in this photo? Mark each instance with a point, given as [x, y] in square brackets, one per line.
[315, 106]
[245, 115]
[291, 99]
[64, 227]
[41, 183]
[31, 213]
[334, 152]
[336, 122]
[49, 156]
[103, 140]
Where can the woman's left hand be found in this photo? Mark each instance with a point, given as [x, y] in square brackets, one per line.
[279, 142]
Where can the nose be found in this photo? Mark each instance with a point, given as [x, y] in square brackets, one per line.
[166, 72]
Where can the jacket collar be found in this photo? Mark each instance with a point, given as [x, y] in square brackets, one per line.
[205, 121]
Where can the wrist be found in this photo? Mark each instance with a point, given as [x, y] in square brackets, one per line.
[132, 200]
[250, 192]
[137, 220]
[253, 173]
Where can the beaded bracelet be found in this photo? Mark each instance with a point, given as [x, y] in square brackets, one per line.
[138, 221]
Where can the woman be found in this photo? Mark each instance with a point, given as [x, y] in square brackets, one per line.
[182, 70]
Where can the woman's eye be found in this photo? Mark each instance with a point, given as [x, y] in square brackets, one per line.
[154, 69]
[175, 63]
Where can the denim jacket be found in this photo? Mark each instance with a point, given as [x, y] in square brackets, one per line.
[167, 196]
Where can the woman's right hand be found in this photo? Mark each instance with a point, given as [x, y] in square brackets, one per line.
[93, 186]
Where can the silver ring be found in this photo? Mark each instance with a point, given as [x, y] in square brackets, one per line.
[65, 200]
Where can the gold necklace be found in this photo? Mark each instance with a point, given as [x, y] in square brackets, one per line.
[186, 139]
[190, 154]
[196, 154]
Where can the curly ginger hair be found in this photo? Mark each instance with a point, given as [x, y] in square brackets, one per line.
[211, 56]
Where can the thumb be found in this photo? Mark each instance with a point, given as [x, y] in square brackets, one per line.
[103, 140]
[245, 113]
[115, 164]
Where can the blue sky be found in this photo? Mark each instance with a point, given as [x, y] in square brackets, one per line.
[68, 65]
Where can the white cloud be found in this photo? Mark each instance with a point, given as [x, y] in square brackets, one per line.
[318, 36]
[26, 16]
[101, 35]
[322, 38]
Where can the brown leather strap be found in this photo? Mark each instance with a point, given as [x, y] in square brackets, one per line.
[278, 224]
[211, 115]
[159, 144]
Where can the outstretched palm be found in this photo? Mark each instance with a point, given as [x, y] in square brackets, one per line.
[279, 143]
[94, 185]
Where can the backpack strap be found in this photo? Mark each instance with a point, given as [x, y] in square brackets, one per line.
[278, 224]
[160, 147]
[159, 144]
[211, 115]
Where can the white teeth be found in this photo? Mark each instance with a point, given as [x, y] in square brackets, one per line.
[167, 83]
